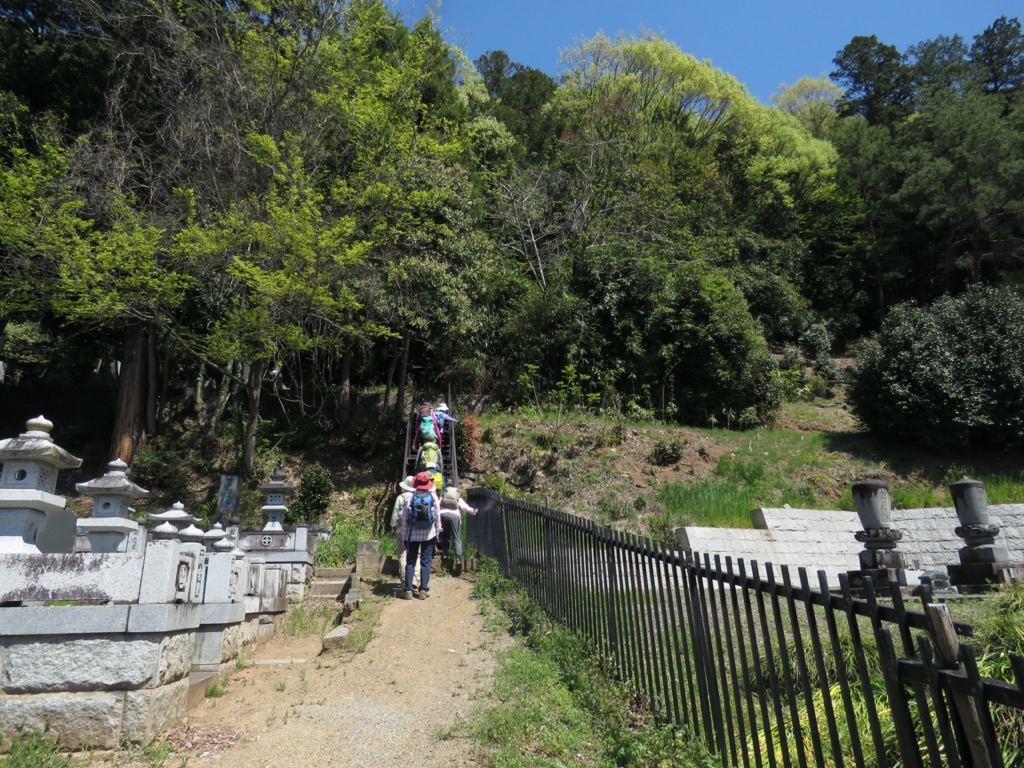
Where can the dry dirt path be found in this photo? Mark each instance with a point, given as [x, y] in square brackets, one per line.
[430, 665]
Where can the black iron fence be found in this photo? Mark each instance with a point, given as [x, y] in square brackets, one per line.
[765, 667]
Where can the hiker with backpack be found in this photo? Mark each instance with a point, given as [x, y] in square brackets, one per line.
[398, 520]
[442, 416]
[429, 453]
[452, 507]
[427, 428]
[422, 529]
[437, 477]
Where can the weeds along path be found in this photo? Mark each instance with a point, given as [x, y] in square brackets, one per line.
[394, 704]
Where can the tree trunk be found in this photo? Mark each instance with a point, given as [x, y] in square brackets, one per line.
[400, 402]
[253, 390]
[151, 382]
[201, 397]
[127, 432]
[879, 276]
[228, 382]
[164, 384]
[976, 256]
[391, 376]
[345, 396]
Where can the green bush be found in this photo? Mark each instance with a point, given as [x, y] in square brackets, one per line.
[714, 353]
[816, 343]
[346, 532]
[665, 452]
[314, 495]
[950, 375]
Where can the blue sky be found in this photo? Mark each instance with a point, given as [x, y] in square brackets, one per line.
[761, 43]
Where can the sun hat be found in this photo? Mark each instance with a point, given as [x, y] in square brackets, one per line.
[406, 485]
[451, 494]
[442, 407]
[431, 465]
[423, 482]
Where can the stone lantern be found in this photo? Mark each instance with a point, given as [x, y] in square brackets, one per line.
[192, 533]
[33, 518]
[880, 559]
[110, 529]
[171, 521]
[276, 491]
[216, 536]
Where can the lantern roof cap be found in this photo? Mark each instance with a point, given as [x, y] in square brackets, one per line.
[36, 443]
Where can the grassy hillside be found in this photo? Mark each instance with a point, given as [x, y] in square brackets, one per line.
[651, 478]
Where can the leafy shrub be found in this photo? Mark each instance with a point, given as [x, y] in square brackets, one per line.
[340, 548]
[816, 388]
[665, 452]
[951, 375]
[468, 437]
[314, 495]
[717, 355]
[816, 343]
[162, 467]
[774, 301]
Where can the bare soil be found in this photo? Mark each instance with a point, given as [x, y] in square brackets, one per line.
[400, 701]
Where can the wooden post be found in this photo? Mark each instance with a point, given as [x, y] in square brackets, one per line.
[611, 605]
[549, 564]
[947, 651]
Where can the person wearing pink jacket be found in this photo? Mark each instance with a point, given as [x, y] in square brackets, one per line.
[422, 517]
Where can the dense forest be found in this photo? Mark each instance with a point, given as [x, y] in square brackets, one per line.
[239, 201]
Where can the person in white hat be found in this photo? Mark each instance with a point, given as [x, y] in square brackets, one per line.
[452, 507]
[398, 521]
[442, 415]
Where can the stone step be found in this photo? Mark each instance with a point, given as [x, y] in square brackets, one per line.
[197, 685]
[324, 588]
[331, 573]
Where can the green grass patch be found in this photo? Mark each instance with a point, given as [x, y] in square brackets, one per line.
[1004, 489]
[555, 704]
[363, 625]
[707, 502]
[216, 689]
[346, 532]
[34, 750]
[309, 618]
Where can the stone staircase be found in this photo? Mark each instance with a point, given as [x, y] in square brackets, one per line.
[330, 582]
[340, 584]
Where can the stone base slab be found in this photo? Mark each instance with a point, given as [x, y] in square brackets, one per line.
[78, 719]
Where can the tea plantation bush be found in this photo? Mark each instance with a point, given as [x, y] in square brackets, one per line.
[950, 375]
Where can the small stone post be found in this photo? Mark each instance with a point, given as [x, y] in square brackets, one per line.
[982, 561]
[880, 559]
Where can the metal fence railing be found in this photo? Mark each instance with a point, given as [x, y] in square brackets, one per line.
[765, 667]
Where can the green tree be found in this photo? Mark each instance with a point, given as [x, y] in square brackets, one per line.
[875, 80]
[813, 102]
[50, 62]
[965, 180]
[519, 94]
[997, 54]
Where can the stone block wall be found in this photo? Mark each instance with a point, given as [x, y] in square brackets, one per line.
[94, 690]
[824, 539]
